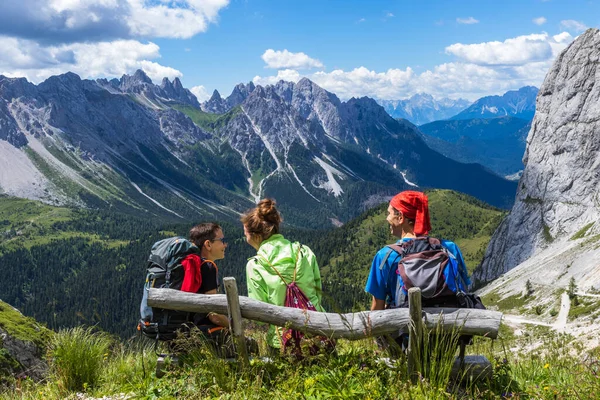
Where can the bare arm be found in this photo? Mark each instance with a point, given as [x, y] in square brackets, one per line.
[215, 318]
[377, 304]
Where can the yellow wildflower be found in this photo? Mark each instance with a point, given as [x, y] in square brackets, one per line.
[546, 366]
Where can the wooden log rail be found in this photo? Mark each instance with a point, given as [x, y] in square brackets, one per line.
[349, 326]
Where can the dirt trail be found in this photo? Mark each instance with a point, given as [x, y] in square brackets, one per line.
[515, 319]
[561, 321]
[559, 325]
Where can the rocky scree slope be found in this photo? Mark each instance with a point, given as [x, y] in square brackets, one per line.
[551, 234]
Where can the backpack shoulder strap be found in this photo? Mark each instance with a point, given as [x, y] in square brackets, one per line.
[273, 267]
[398, 248]
[295, 265]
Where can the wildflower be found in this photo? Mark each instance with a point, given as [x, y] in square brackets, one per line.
[546, 366]
[545, 387]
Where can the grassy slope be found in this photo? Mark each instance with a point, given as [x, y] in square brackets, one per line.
[27, 223]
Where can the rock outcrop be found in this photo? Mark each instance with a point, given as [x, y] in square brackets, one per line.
[557, 198]
[22, 345]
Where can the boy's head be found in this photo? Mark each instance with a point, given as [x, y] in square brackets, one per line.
[208, 237]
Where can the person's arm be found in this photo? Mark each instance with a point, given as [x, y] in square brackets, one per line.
[377, 304]
[192, 278]
[217, 319]
[462, 266]
[255, 282]
[315, 269]
[377, 283]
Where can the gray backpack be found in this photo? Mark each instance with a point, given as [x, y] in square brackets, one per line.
[426, 264]
[164, 270]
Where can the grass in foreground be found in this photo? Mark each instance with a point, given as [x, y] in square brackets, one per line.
[556, 369]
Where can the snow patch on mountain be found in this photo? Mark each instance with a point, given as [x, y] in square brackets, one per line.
[492, 109]
[406, 180]
[331, 185]
[152, 200]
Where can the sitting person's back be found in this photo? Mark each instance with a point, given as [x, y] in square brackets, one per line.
[277, 263]
[408, 218]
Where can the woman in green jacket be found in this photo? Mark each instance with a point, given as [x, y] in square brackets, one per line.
[277, 259]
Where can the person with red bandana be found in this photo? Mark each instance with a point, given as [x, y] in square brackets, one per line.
[408, 217]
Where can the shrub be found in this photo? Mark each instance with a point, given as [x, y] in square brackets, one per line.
[77, 356]
[539, 309]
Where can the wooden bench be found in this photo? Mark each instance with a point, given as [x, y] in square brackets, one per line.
[350, 326]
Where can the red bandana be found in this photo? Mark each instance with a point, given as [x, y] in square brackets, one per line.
[414, 205]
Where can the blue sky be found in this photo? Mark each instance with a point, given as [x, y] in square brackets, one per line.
[382, 49]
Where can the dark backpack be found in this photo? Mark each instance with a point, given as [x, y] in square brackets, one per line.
[164, 270]
[295, 298]
[426, 264]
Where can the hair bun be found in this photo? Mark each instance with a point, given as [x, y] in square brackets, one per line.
[268, 212]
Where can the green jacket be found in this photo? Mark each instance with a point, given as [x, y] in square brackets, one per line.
[264, 283]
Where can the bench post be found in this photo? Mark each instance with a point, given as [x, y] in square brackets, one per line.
[415, 333]
[235, 318]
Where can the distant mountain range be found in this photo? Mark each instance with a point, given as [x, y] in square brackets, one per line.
[150, 149]
[423, 108]
[497, 143]
[515, 103]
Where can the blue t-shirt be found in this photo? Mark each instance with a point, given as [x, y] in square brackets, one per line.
[382, 282]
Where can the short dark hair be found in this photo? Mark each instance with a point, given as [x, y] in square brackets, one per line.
[203, 232]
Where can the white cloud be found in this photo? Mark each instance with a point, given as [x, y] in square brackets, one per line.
[572, 25]
[289, 75]
[200, 93]
[285, 59]
[360, 21]
[539, 20]
[468, 21]
[514, 51]
[29, 59]
[184, 20]
[478, 74]
[64, 21]
[389, 15]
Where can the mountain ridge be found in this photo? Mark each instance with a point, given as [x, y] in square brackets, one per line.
[131, 145]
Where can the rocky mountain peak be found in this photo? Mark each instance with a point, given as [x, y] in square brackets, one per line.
[557, 197]
[130, 82]
[166, 84]
[216, 96]
[177, 84]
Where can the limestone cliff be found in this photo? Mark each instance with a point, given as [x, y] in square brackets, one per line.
[557, 199]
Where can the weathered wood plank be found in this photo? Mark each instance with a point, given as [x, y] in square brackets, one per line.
[350, 326]
[415, 333]
[235, 318]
